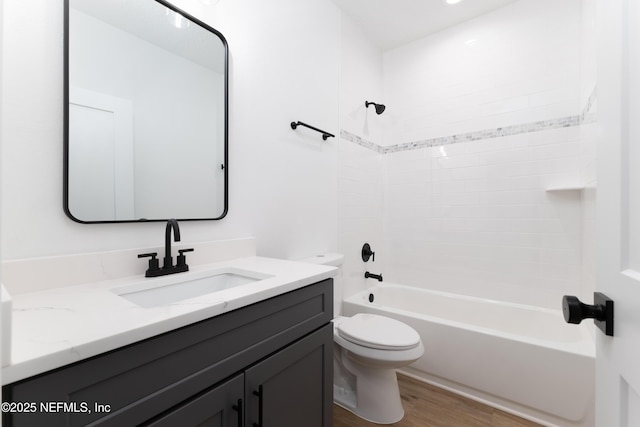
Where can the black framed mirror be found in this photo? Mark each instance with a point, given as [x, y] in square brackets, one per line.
[145, 113]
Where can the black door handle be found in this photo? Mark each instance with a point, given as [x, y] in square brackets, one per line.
[601, 311]
[260, 394]
[238, 408]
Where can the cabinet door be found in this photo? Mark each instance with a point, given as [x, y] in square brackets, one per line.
[221, 406]
[293, 387]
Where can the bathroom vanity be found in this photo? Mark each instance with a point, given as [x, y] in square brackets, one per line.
[266, 363]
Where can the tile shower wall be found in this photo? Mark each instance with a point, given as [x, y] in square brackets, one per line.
[517, 65]
[482, 119]
[360, 164]
[360, 212]
[474, 217]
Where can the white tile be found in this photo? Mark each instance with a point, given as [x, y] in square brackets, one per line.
[482, 204]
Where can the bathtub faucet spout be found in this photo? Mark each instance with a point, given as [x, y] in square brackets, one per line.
[368, 275]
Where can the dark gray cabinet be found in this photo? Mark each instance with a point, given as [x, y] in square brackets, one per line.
[268, 364]
[290, 388]
[219, 407]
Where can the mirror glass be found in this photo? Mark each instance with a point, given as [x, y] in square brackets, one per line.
[146, 94]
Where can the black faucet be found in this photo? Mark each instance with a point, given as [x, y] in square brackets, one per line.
[168, 260]
[368, 275]
[154, 269]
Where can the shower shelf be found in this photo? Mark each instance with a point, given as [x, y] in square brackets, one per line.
[565, 188]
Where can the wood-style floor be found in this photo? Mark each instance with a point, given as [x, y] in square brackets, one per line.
[429, 406]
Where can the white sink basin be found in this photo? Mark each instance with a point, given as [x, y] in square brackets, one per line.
[182, 286]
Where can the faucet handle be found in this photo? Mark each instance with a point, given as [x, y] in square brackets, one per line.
[367, 253]
[182, 258]
[154, 263]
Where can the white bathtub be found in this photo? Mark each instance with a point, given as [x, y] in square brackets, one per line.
[522, 359]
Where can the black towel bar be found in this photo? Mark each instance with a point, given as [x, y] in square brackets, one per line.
[325, 135]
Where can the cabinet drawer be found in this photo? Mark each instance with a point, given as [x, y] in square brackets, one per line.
[142, 380]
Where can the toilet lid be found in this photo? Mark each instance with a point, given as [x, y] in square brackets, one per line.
[373, 331]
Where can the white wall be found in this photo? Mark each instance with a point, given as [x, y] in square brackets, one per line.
[283, 183]
[360, 80]
[360, 185]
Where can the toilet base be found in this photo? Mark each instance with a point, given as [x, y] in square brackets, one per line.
[376, 397]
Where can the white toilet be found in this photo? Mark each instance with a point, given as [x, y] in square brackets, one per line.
[367, 351]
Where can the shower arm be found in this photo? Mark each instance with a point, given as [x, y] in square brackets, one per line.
[379, 107]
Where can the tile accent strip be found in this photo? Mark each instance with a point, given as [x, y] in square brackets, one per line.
[346, 135]
[585, 117]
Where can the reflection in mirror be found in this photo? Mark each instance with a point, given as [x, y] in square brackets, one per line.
[145, 113]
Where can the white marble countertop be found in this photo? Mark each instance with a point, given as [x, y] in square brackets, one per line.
[56, 327]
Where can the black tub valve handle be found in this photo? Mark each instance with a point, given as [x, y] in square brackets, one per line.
[601, 311]
[368, 253]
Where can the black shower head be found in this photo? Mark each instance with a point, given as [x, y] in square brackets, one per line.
[379, 107]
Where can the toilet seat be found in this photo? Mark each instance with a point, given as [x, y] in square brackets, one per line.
[378, 332]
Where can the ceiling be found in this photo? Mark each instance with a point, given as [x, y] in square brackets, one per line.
[392, 23]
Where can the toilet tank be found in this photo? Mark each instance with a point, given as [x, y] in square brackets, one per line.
[334, 260]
